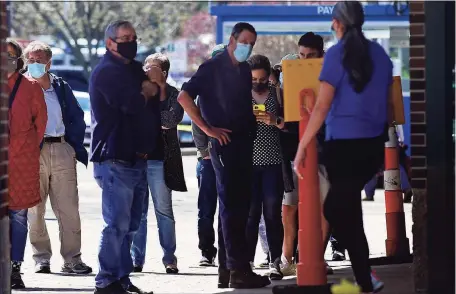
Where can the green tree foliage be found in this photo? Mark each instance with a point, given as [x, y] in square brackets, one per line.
[155, 22]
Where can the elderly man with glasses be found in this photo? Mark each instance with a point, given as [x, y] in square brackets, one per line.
[126, 116]
[61, 148]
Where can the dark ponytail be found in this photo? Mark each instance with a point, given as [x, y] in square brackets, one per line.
[356, 56]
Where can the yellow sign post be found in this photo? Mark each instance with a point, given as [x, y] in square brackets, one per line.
[298, 75]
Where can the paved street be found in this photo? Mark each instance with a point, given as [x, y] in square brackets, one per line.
[191, 279]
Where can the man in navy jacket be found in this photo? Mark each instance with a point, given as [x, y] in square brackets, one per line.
[61, 147]
[127, 132]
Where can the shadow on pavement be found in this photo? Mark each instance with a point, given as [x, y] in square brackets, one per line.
[179, 274]
[37, 289]
[398, 279]
[73, 275]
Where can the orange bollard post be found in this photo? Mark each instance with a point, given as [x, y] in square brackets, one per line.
[397, 243]
[311, 268]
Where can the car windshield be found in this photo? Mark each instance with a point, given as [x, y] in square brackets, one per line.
[84, 102]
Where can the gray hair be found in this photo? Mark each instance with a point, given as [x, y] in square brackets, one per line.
[113, 27]
[37, 46]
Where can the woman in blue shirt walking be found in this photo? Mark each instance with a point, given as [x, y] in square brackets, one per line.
[353, 99]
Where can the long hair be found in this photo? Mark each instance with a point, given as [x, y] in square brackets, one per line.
[356, 56]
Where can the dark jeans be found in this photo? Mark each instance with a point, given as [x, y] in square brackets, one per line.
[207, 204]
[267, 199]
[350, 164]
[233, 169]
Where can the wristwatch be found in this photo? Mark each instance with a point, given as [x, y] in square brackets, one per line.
[278, 120]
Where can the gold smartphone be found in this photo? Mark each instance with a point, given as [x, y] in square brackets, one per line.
[259, 108]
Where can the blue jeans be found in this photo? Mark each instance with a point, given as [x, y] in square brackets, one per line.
[18, 233]
[163, 205]
[207, 205]
[267, 200]
[369, 188]
[124, 187]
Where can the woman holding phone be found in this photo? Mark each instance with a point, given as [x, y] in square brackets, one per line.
[267, 160]
[354, 100]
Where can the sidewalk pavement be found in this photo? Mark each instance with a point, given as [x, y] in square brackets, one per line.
[191, 279]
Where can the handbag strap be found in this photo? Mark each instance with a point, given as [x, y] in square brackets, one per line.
[14, 91]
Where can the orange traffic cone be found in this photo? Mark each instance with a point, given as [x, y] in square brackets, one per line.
[397, 243]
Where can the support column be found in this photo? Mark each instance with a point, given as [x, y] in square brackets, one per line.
[5, 264]
[440, 61]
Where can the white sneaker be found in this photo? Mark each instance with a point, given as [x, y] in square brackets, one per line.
[287, 269]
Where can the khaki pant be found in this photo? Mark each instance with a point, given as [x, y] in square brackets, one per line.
[58, 179]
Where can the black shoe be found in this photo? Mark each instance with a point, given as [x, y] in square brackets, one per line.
[207, 261]
[338, 256]
[408, 196]
[223, 278]
[43, 267]
[137, 269]
[16, 280]
[171, 269]
[247, 280]
[114, 288]
[133, 289]
[368, 199]
[275, 274]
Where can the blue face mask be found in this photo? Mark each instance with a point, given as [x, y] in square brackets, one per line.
[242, 52]
[36, 70]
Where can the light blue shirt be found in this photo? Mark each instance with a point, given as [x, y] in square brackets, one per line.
[55, 126]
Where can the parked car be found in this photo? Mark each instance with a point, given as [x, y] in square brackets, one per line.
[74, 78]
[84, 101]
[184, 130]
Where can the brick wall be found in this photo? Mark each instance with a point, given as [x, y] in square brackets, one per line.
[3, 113]
[417, 95]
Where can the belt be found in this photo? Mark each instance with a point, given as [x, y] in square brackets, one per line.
[53, 139]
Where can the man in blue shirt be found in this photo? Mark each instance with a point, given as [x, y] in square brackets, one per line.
[207, 196]
[126, 120]
[224, 85]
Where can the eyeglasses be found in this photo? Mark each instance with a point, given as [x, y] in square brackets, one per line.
[32, 61]
[148, 67]
[125, 39]
[11, 56]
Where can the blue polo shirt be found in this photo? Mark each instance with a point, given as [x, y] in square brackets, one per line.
[225, 94]
[123, 124]
[357, 115]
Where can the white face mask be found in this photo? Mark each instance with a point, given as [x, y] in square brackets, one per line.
[281, 79]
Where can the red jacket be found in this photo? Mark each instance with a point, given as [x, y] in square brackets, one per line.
[27, 122]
